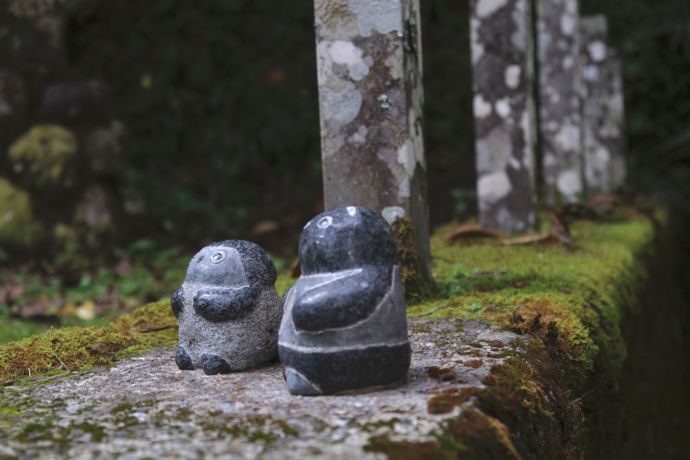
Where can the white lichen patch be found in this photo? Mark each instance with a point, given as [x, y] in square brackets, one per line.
[568, 137]
[486, 8]
[359, 136]
[512, 76]
[393, 213]
[570, 183]
[377, 16]
[341, 103]
[568, 24]
[493, 151]
[597, 51]
[482, 107]
[494, 187]
[503, 108]
[346, 53]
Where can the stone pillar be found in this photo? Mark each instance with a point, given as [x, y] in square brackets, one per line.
[501, 34]
[596, 90]
[370, 97]
[559, 100]
[616, 135]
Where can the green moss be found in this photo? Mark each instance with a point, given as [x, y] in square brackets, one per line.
[256, 429]
[416, 286]
[42, 154]
[576, 296]
[80, 348]
[407, 450]
[570, 302]
[17, 223]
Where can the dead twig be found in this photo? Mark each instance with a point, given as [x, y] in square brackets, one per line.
[472, 231]
[433, 310]
[61, 362]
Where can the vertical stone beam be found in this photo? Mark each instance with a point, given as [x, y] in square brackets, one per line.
[596, 90]
[616, 134]
[501, 34]
[370, 97]
[559, 100]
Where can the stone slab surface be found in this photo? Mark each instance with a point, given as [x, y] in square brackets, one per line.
[147, 408]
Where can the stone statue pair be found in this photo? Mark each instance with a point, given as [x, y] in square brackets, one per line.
[342, 327]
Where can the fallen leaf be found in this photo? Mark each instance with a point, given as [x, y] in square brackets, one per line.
[264, 227]
[529, 239]
[472, 231]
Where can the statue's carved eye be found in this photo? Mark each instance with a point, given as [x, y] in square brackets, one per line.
[325, 222]
[217, 257]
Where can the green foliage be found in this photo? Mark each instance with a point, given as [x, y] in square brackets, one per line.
[17, 224]
[234, 138]
[43, 153]
[581, 292]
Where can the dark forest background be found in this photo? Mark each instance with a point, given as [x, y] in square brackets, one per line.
[132, 133]
[193, 121]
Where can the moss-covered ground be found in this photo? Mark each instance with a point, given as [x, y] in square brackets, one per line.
[568, 303]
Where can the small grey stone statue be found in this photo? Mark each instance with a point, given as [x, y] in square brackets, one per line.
[228, 309]
[345, 323]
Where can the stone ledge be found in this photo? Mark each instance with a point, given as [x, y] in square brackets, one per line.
[546, 388]
[146, 407]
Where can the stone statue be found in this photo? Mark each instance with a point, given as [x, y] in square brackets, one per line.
[228, 309]
[345, 323]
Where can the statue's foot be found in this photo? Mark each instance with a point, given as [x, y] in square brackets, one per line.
[298, 384]
[184, 362]
[214, 364]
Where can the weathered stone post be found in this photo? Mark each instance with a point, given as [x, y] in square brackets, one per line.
[502, 42]
[616, 135]
[371, 95]
[596, 92]
[559, 100]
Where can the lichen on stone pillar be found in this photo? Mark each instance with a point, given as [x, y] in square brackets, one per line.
[504, 111]
[616, 133]
[370, 95]
[597, 128]
[559, 100]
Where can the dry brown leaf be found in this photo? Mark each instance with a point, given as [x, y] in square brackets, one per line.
[472, 231]
[529, 239]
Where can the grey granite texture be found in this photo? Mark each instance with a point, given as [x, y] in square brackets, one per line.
[504, 111]
[345, 321]
[559, 100]
[147, 408]
[369, 58]
[598, 128]
[228, 309]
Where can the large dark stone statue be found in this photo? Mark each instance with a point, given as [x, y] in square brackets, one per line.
[228, 309]
[345, 323]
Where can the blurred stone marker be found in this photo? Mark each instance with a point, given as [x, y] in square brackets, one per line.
[370, 97]
[616, 133]
[504, 109]
[345, 322]
[228, 309]
[601, 131]
[559, 100]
